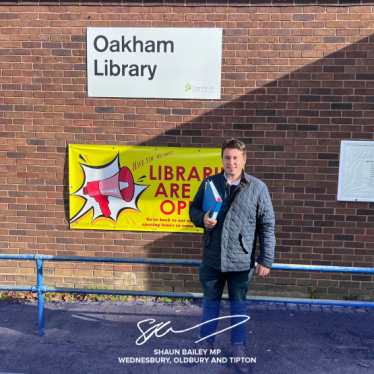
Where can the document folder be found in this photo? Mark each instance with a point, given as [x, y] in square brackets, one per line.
[212, 200]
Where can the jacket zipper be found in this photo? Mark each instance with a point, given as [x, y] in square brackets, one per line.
[236, 198]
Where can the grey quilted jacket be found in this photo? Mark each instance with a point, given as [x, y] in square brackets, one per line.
[230, 246]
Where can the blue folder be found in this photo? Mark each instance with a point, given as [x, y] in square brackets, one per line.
[212, 200]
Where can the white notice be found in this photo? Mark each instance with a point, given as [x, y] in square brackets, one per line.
[368, 177]
[356, 171]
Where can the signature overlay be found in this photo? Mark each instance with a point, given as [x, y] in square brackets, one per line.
[154, 330]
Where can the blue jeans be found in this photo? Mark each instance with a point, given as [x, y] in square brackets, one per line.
[213, 282]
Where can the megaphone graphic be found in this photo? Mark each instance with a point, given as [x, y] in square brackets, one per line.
[120, 185]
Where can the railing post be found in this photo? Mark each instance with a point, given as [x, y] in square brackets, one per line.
[39, 264]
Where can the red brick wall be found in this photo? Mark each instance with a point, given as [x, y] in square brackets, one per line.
[296, 80]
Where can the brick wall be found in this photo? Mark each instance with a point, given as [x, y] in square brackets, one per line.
[296, 80]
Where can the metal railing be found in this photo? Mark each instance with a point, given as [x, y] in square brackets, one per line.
[41, 289]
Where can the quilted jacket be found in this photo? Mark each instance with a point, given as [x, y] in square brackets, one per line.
[230, 246]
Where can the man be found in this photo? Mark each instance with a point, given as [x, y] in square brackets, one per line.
[229, 247]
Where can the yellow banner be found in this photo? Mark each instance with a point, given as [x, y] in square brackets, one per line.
[136, 188]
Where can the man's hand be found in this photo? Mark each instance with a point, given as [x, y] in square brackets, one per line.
[262, 271]
[208, 222]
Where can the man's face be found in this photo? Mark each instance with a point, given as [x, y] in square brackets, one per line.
[233, 162]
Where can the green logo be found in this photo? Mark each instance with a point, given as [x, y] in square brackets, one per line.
[187, 87]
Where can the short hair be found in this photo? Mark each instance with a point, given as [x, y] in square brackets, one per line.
[234, 144]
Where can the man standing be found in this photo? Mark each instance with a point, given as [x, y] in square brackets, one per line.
[229, 247]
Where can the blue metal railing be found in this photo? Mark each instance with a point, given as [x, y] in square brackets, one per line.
[41, 289]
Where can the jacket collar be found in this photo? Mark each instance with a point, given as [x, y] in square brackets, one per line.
[244, 181]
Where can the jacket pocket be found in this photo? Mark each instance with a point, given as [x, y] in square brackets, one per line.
[243, 244]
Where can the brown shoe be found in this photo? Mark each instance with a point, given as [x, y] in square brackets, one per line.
[238, 352]
[198, 354]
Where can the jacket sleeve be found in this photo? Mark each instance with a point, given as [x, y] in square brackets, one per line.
[196, 212]
[265, 227]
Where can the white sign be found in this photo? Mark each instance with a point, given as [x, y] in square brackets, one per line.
[168, 63]
[356, 171]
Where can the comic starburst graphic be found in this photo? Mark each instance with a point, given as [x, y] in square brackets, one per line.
[108, 190]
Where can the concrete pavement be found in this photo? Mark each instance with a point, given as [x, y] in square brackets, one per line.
[92, 338]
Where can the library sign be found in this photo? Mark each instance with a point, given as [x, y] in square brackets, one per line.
[168, 63]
